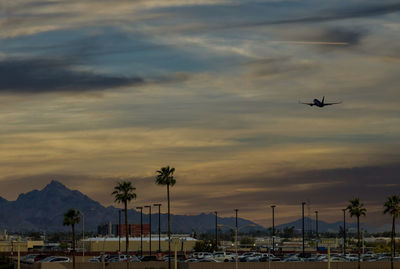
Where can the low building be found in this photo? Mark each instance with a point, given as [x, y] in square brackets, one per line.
[113, 244]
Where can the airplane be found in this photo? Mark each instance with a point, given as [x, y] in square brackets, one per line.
[318, 103]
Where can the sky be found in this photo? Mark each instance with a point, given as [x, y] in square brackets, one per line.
[93, 92]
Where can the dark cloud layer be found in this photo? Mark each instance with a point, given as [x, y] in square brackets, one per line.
[40, 75]
[333, 15]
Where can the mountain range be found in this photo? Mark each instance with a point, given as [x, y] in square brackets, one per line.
[43, 210]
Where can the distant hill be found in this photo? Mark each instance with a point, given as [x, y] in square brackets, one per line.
[43, 211]
[322, 225]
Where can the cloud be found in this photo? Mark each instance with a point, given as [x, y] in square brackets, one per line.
[42, 75]
[333, 15]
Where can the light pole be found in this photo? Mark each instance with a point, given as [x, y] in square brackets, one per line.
[159, 226]
[344, 231]
[141, 230]
[302, 229]
[216, 230]
[149, 207]
[236, 234]
[316, 230]
[236, 238]
[273, 227]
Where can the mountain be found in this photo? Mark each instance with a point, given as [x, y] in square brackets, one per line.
[44, 211]
[322, 225]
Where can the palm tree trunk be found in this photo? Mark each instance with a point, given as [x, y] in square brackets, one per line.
[393, 243]
[126, 233]
[169, 230]
[359, 246]
[73, 246]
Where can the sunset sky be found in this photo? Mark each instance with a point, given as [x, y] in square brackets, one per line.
[95, 91]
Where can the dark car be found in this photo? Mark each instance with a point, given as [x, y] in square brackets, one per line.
[40, 257]
[149, 258]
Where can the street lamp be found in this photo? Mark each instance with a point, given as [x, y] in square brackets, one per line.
[236, 237]
[273, 227]
[149, 207]
[344, 231]
[316, 230]
[216, 230]
[302, 230]
[159, 226]
[141, 230]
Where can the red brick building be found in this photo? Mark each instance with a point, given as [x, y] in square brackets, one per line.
[134, 230]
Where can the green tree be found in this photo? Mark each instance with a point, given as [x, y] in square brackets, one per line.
[124, 193]
[247, 241]
[357, 209]
[72, 217]
[165, 176]
[392, 207]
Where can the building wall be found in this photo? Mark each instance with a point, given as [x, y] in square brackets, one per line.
[112, 246]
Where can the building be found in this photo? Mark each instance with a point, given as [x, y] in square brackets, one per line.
[119, 230]
[114, 244]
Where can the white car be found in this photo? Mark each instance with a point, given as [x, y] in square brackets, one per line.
[222, 257]
[55, 259]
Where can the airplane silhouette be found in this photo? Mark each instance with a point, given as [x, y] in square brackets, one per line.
[318, 103]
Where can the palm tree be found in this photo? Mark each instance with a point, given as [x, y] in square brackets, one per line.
[165, 176]
[124, 193]
[357, 209]
[72, 217]
[392, 207]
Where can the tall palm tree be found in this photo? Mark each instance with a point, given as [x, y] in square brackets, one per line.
[165, 176]
[357, 209]
[124, 193]
[392, 207]
[72, 217]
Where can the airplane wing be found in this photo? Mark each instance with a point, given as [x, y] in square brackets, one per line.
[328, 104]
[310, 104]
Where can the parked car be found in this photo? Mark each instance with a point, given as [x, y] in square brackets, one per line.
[40, 257]
[222, 257]
[149, 258]
[30, 258]
[94, 260]
[133, 258]
[208, 260]
[55, 259]
[192, 260]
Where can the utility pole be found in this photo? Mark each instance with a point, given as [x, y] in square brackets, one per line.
[141, 230]
[159, 226]
[216, 230]
[119, 230]
[236, 237]
[302, 210]
[344, 231]
[273, 228]
[149, 207]
[316, 230]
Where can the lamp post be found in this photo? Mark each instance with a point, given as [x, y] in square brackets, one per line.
[149, 207]
[236, 234]
[83, 234]
[159, 226]
[141, 230]
[273, 227]
[344, 231]
[236, 237]
[302, 227]
[216, 230]
[316, 230]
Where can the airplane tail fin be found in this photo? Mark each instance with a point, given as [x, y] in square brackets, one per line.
[323, 98]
